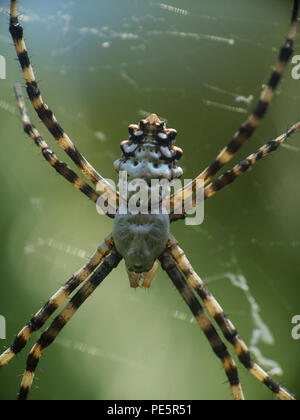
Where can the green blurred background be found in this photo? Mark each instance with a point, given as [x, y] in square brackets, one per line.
[103, 65]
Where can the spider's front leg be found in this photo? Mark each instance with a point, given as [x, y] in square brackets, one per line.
[48, 337]
[226, 326]
[41, 317]
[204, 322]
[143, 238]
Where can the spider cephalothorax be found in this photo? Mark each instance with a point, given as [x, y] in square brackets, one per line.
[141, 239]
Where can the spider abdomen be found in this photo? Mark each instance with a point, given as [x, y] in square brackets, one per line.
[150, 152]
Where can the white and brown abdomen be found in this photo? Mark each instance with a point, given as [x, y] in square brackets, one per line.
[150, 152]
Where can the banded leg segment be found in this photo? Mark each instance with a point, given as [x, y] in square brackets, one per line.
[47, 116]
[60, 167]
[244, 165]
[49, 336]
[247, 129]
[211, 334]
[230, 176]
[228, 329]
[56, 301]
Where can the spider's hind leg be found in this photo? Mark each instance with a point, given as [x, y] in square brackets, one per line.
[230, 176]
[47, 116]
[248, 128]
[61, 167]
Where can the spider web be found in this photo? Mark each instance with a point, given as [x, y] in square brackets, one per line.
[201, 68]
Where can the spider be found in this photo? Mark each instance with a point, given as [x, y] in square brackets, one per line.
[144, 240]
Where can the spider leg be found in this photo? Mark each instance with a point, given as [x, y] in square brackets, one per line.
[229, 331]
[63, 318]
[46, 115]
[244, 165]
[204, 322]
[48, 154]
[37, 322]
[240, 168]
[248, 128]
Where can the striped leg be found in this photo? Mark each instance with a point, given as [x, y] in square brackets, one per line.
[63, 318]
[248, 128]
[224, 323]
[46, 115]
[48, 154]
[245, 164]
[230, 176]
[218, 346]
[56, 301]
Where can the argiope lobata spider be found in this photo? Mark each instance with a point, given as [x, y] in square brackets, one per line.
[143, 240]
